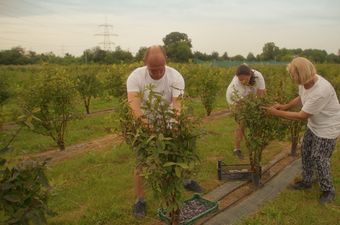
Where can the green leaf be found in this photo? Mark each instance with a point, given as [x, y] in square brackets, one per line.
[167, 164]
[29, 124]
[12, 198]
[178, 171]
[150, 139]
[2, 161]
[183, 165]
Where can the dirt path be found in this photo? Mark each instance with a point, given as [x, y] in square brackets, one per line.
[97, 144]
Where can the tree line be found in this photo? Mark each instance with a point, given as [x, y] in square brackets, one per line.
[178, 47]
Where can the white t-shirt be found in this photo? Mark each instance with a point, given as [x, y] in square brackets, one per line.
[321, 101]
[243, 90]
[170, 85]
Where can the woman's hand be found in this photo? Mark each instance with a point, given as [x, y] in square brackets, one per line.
[286, 114]
[279, 106]
[270, 109]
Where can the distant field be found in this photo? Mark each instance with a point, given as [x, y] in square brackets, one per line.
[96, 187]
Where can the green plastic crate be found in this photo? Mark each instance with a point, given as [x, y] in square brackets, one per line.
[213, 207]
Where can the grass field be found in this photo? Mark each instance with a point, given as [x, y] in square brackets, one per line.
[301, 207]
[97, 188]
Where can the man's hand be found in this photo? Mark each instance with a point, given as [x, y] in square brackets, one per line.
[135, 104]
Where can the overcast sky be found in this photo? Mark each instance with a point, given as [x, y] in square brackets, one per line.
[233, 26]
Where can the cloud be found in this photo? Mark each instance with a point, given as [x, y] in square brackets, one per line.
[236, 26]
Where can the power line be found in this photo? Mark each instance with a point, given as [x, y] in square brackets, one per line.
[106, 34]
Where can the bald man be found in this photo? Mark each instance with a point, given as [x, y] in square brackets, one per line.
[170, 83]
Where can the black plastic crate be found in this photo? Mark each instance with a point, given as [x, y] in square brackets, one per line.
[233, 171]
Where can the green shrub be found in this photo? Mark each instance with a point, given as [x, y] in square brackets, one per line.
[167, 146]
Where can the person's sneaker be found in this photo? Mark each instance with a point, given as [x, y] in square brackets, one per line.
[193, 186]
[300, 185]
[139, 209]
[327, 197]
[238, 153]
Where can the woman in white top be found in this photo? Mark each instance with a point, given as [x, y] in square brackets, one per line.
[321, 107]
[245, 81]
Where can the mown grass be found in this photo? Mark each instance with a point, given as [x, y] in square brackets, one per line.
[78, 131]
[199, 110]
[301, 207]
[98, 104]
[97, 187]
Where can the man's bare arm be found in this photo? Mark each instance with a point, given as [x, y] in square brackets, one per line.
[177, 104]
[135, 104]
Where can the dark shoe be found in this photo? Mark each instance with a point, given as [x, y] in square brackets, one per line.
[238, 153]
[300, 185]
[139, 209]
[327, 197]
[193, 186]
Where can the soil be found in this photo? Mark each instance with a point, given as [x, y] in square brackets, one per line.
[71, 151]
[235, 196]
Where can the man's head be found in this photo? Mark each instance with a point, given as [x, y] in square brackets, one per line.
[155, 60]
